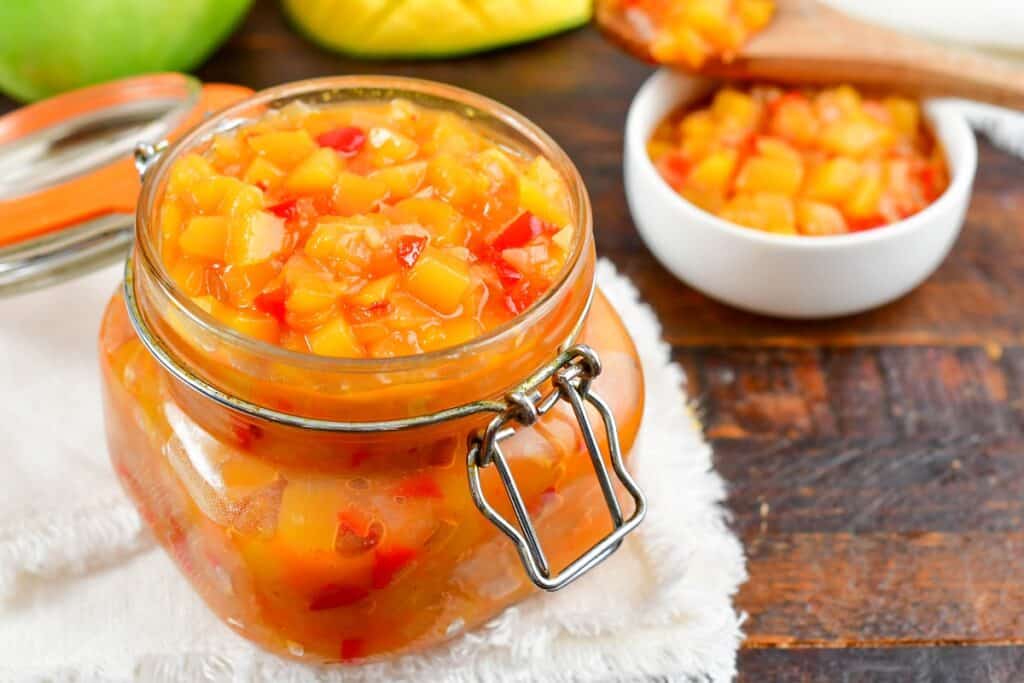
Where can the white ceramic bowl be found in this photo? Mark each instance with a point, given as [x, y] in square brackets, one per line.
[782, 275]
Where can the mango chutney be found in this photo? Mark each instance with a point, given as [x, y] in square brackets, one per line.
[691, 32]
[364, 230]
[813, 162]
[347, 299]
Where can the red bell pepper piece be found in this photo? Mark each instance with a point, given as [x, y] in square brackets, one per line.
[272, 303]
[419, 486]
[287, 209]
[352, 648]
[348, 140]
[508, 275]
[520, 298]
[388, 562]
[674, 169]
[409, 249]
[519, 232]
[335, 595]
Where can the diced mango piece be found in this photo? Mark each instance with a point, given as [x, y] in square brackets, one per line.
[564, 237]
[245, 283]
[833, 180]
[709, 17]
[263, 173]
[816, 218]
[714, 173]
[213, 193]
[756, 14]
[453, 135]
[775, 148]
[735, 107]
[698, 124]
[770, 174]
[245, 472]
[190, 276]
[711, 202]
[312, 294]
[335, 339]
[376, 291]
[227, 149]
[794, 119]
[208, 304]
[256, 237]
[866, 194]
[853, 137]
[402, 180]
[172, 220]
[316, 174]
[836, 103]
[453, 180]
[450, 333]
[188, 172]
[205, 237]
[726, 39]
[245, 200]
[445, 224]
[684, 45]
[905, 115]
[542, 193]
[252, 324]
[763, 211]
[391, 147]
[284, 148]
[308, 519]
[355, 194]
[439, 280]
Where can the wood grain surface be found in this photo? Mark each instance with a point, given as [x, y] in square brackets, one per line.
[876, 463]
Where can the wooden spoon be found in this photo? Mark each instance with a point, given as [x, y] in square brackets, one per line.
[811, 43]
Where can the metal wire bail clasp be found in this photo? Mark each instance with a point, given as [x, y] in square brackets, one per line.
[571, 375]
[146, 154]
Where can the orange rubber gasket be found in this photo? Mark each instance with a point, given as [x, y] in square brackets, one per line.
[114, 188]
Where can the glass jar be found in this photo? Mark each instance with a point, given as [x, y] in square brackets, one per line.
[348, 509]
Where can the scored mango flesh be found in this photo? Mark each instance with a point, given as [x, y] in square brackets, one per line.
[825, 162]
[411, 28]
[364, 230]
[691, 32]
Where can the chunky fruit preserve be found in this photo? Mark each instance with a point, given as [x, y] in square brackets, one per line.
[345, 257]
[366, 230]
[691, 32]
[824, 162]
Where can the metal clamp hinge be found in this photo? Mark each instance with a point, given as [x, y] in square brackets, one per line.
[571, 378]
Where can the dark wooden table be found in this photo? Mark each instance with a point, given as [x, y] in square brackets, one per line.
[876, 463]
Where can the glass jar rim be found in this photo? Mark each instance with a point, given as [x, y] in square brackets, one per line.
[375, 87]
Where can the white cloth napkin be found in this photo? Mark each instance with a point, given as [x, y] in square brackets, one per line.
[86, 596]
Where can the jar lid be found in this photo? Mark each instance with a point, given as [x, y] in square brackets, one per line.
[68, 185]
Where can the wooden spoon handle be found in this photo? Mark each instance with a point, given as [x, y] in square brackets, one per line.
[821, 45]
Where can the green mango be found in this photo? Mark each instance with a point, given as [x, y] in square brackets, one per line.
[431, 28]
[49, 46]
